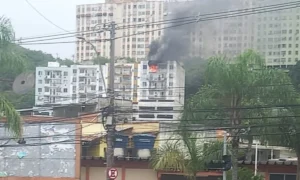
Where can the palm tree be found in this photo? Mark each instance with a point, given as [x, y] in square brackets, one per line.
[190, 156]
[187, 155]
[10, 61]
[232, 85]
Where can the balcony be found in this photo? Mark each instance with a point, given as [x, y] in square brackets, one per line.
[156, 78]
[157, 97]
[82, 90]
[126, 82]
[160, 87]
[83, 74]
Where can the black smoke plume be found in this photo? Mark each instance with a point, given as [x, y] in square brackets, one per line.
[175, 43]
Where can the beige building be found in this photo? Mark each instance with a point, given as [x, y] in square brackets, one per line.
[131, 17]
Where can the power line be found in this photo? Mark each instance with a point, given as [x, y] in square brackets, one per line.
[177, 19]
[36, 10]
[186, 23]
[55, 35]
[186, 127]
[76, 141]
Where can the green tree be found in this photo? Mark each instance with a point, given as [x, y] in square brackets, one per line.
[231, 85]
[294, 73]
[190, 156]
[102, 60]
[245, 174]
[32, 59]
[10, 62]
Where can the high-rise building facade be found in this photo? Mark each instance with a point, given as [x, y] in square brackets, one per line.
[216, 34]
[135, 25]
[277, 35]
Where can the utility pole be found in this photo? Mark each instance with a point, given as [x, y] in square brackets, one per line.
[110, 123]
[224, 151]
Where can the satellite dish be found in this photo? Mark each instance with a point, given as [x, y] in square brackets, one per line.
[24, 83]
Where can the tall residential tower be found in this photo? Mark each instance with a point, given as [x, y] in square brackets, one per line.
[135, 25]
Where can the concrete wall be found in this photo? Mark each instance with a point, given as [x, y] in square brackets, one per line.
[42, 155]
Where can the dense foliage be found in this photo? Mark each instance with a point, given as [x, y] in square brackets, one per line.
[247, 97]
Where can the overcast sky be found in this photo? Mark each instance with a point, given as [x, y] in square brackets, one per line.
[28, 23]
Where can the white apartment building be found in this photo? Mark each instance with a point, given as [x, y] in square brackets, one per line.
[57, 84]
[133, 19]
[160, 94]
[157, 94]
[125, 80]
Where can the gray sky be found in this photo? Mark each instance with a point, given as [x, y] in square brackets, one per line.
[28, 23]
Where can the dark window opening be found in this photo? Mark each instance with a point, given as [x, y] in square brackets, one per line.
[165, 100]
[146, 116]
[165, 108]
[165, 116]
[146, 108]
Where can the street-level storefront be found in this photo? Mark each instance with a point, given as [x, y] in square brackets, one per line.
[94, 169]
[275, 170]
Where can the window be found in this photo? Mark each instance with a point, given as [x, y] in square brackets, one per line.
[65, 73]
[165, 116]
[40, 90]
[170, 93]
[81, 71]
[165, 108]
[147, 108]
[144, 84]
[171, 66]
[100, 88]
[140, 46]
[74, 79]
[65, 90]
[93, 88]
[146, 116]
[74, 71]
[40, 82]
[40, 73]
[144, 66]
[170, 83]
[46, 89]
[282, 177]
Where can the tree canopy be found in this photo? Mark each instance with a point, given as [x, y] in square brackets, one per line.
[234, 94]
[10, 62]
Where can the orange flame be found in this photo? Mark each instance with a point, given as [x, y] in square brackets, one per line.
[153, 68]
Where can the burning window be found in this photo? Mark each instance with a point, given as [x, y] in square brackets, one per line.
[153, 68]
